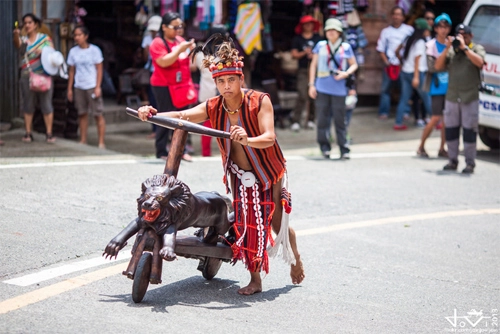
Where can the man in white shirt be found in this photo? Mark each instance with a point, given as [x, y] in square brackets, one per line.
[389, 40]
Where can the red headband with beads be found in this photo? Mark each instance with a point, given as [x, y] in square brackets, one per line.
[226, 68]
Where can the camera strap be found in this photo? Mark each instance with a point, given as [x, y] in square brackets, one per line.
[332, 55]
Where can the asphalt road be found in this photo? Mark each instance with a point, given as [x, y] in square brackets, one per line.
[390, 244]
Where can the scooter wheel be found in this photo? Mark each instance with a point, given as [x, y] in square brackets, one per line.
[141, 277]
[211, 267]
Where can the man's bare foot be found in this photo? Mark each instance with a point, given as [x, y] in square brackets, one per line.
[250, 289]
[102, 146]
[297, 272]
[254, 286]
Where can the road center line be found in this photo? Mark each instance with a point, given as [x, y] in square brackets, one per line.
[79, 281]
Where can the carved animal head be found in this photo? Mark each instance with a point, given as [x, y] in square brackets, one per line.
[164, 200]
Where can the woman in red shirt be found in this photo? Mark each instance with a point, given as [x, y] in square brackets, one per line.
[170, 55]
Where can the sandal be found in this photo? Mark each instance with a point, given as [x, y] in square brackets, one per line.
[443, 154]
[28, 138]
[49, 138]
[421, 153]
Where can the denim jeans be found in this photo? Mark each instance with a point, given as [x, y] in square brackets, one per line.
[385, 94]
[406, 91]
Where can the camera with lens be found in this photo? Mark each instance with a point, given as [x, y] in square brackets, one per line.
[456, 44]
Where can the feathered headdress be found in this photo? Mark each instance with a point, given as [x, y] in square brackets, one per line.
[221, 57]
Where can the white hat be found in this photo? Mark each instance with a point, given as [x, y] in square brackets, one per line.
[51, 60]
[154, 23]
[333, 24]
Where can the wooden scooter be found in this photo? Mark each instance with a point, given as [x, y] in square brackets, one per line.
[145, 266]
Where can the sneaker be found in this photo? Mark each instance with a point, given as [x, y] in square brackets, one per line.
[399, 127]
[383, 117]
[311, 125]
[421, 153]
[406, 117]
[450, 166]
[295, 127]
[443, 154]
[28, 138]
[345, 156]
[469, 169]
[326, 154]
[420, 123]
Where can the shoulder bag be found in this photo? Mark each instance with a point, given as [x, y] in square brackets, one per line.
[40, 83]
[182, 93]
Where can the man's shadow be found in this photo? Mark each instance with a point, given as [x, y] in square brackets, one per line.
[195, 291]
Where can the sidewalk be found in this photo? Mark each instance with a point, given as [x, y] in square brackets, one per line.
[126, 135]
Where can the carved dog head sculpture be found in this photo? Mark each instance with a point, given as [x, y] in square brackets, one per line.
[164, 200]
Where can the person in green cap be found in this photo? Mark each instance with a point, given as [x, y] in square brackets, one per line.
[412, 56]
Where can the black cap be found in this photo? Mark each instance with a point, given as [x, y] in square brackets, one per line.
[464, 28]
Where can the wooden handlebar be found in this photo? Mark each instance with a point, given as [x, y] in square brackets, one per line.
[174, 123]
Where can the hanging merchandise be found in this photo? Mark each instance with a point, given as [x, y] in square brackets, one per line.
[218, 12]
[405, 5]
[208, 14]
[168, 6]
[333, 8]
[362, 5]
[353, 19]
[348, 6]
[232, 12]
[268, 39]
[248, 27]
[318, 16]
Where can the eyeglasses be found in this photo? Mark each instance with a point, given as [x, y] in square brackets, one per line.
[179, 27]
[430, 18]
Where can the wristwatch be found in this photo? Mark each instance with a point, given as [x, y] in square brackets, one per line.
[466, 48]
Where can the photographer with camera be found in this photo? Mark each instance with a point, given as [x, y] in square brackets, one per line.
[464, 61]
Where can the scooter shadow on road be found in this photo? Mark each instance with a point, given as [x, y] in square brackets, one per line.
[195, 291]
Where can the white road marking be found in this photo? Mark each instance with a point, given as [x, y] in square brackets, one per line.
[69, 163]
[47, 274]
[195, 159]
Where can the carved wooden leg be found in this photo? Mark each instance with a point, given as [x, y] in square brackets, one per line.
[136, 256]
[157, 264]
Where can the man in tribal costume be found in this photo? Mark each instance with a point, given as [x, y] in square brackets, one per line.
[253, 160]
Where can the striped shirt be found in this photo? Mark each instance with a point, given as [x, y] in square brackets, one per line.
[34, 59]
[268, 164]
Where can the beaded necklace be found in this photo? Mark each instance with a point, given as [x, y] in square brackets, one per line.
[229, 111]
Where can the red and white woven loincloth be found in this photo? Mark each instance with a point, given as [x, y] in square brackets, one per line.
[253, 208]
